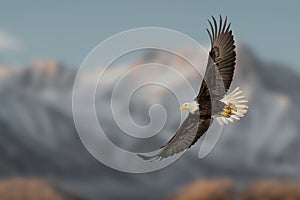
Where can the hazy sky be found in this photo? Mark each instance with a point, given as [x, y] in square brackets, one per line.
[68, 31]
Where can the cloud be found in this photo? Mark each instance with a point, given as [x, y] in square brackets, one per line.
[9, 42]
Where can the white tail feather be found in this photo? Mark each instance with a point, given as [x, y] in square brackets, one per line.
[240, 103]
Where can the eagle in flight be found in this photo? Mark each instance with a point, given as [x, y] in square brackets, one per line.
[213, 101]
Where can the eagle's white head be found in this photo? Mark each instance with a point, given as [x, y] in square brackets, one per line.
[191, 107]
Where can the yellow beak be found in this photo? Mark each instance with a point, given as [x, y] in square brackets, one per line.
[182, 107]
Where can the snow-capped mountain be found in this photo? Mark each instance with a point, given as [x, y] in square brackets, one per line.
[38, 135]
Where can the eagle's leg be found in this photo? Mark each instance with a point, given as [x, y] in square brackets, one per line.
[227, 110]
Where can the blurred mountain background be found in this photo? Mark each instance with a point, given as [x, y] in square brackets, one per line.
[42, 45]
[39, 137]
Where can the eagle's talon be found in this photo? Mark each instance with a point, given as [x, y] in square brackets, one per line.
[227, 110]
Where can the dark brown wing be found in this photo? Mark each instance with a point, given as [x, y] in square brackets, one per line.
[221, 62]
[219, 69]
[192, 127]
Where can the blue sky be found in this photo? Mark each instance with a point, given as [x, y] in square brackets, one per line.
[68, 30]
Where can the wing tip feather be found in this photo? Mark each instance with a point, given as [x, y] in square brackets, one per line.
[148, 158]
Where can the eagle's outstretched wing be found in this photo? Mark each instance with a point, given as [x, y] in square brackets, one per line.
[192, 127]
[216, 82]
[220, 64]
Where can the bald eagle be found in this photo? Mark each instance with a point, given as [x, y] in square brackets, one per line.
[213, 99]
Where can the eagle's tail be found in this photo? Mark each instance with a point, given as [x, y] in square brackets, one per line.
[236, 107]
